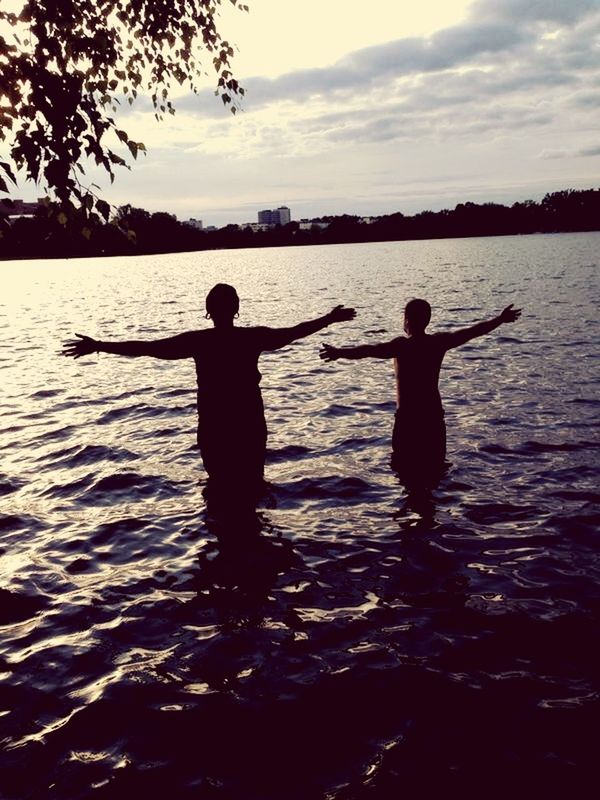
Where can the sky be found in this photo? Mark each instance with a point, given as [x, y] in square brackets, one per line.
[371, 108]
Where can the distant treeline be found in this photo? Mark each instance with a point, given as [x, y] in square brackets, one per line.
[52, 233]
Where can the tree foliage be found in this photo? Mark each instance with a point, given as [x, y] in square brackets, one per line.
[66, 66]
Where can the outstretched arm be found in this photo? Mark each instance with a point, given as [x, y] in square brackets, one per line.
[280, 337]
[464, 335]
[382, 350]
[173, 347]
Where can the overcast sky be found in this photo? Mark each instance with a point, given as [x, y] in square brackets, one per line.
[379, 106]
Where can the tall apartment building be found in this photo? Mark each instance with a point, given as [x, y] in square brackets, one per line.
[284, 215]
[276, 216]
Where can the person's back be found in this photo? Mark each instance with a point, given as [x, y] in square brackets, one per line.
[227, 366]
[417, 366]
[232, 431]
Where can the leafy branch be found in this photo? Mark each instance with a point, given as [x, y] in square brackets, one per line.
[67, 65]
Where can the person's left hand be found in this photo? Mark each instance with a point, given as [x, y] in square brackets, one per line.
[342, 314]
[84, 347]
[510, 314]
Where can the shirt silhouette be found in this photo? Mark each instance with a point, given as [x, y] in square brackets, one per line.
[419, 435]
[232, 432]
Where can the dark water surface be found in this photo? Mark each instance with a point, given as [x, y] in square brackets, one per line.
[347, 641]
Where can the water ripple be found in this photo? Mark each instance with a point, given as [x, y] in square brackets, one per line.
[349, 640]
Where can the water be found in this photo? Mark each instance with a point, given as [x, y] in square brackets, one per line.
[366, 643]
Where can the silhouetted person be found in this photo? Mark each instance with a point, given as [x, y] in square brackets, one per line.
[419, 437]
[232, 433]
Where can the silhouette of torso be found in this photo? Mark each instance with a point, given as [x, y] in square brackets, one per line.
[227, 368]
[417, 366]
[231, 425]
[419, 437]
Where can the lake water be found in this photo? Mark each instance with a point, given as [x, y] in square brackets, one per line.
[364, 644]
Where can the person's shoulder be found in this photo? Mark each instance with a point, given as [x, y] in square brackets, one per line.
[195, 339]
[253, 336]
[441, 339]
[251, 332]
[197, 335]
[395, 347]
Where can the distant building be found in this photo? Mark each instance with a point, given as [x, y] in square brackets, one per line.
[309, 224]
[14, 209]
[264, 217]
[284, 215]
[194, 223]
[257, 226]
[276, 216]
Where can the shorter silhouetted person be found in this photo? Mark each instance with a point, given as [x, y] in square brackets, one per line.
[232, 432]
[419, 436]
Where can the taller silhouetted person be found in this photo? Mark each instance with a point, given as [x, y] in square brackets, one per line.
[419, 436]
[232, 432]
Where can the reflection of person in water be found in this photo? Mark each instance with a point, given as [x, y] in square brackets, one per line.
[419, 437]
[232, 432]
[239, 570]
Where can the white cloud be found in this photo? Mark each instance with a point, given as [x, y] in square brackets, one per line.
[580, 152]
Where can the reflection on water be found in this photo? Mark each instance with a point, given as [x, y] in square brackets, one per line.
[239, 568]
[342, 638]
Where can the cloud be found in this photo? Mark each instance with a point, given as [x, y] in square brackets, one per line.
[363, 69]
[500, 37]
[581, 152]
[557, 11]
[551, 154]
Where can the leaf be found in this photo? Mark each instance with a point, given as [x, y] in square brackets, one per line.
[8, 171]
[62, 218]
[103, 208]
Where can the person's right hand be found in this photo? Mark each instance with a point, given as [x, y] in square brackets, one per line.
[510, 314]
[84, 347]
[341, 314]
[328, 353]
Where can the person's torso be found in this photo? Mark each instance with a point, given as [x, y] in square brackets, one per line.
[417, 367]
[227, 369]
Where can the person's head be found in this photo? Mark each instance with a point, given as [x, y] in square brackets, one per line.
[222, 303]
[417, 314]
